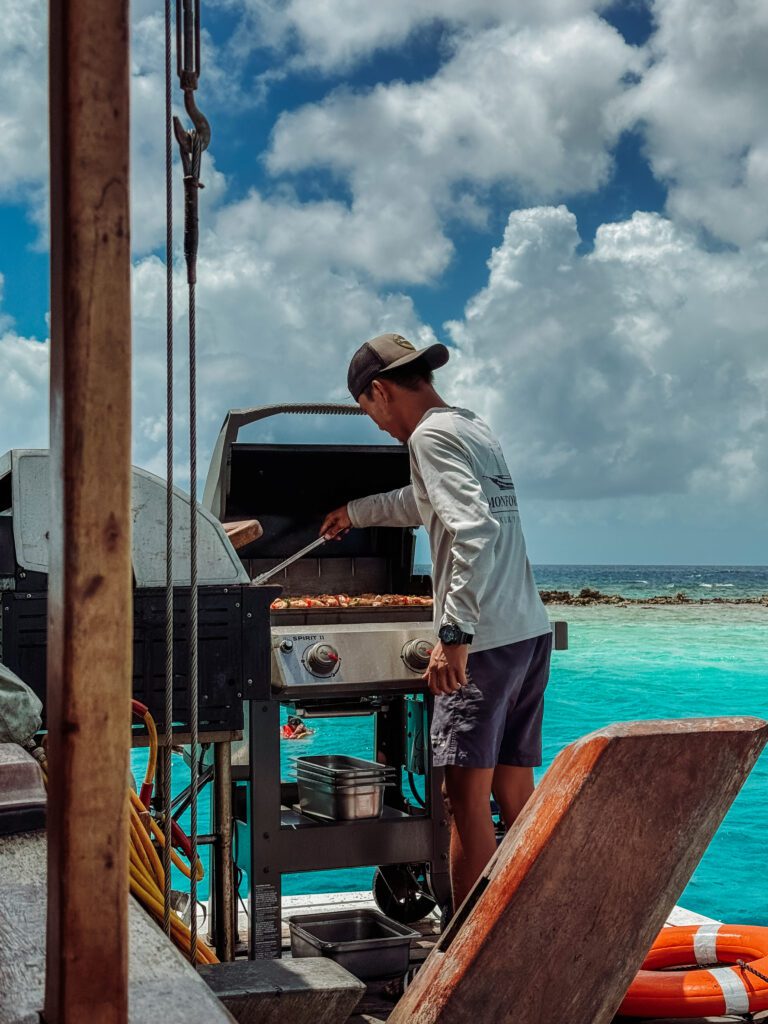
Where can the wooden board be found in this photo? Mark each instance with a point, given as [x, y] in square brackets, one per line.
[242, 532]
[561, 919]
[162, 986]
[90, 577]
[304, 991]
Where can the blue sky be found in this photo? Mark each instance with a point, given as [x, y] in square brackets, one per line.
[568, 193]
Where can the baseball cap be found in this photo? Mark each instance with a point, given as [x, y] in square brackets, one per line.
[389, 352]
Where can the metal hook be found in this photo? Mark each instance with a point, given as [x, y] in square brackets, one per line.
[187, 140]
[199, 120]
[195, 140]
[188, 69]
[191, 150]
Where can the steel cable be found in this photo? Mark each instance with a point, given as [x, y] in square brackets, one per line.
[191, 146]
[193, 616]
[168, 738]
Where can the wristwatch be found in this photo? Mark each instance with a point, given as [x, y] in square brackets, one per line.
[451, 635]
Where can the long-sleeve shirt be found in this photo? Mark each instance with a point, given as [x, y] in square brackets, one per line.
[462, 492]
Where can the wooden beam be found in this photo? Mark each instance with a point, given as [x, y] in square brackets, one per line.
[563, 915]
[242, 532]
[89, 607]
[307, 990]
[164, 988]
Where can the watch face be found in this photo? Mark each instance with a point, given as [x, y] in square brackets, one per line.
[449, 633]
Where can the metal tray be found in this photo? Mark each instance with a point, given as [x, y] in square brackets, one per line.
[342, 768]
[368, 944]
[344, 779]
[341, 803]
[338, 787]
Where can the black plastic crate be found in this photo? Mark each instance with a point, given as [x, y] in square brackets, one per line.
[366, 943]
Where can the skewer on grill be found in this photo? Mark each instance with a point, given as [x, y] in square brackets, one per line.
[263, 577]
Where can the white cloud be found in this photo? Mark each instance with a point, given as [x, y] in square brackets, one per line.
[636, 373]
[23, 88]
[639, 369]
[529, 109]
[337, 34]
[23, 388]
[270, 329]
[367, 237]
[273, 326]
[24, 119]
[702, 107]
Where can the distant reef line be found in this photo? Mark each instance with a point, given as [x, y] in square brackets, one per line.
[589, 596]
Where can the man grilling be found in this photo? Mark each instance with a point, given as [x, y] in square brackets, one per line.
[490, 666]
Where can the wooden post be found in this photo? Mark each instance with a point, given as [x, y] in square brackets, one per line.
[89, 608]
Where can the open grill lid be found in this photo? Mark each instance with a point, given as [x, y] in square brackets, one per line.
[217, 481]
[289, 488]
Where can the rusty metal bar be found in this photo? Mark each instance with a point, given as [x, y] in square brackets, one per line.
[224, 885]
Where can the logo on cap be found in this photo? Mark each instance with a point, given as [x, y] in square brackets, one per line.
[403, 342]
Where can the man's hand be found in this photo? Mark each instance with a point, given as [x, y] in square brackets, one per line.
[336, 524]
[447, 670]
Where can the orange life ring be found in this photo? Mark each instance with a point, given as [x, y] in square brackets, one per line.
[703, 991]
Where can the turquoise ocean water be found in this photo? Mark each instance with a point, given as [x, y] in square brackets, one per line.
[623, 664]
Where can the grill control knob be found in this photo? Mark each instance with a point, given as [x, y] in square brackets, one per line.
[321, 659]
[286, 646]
[416, 654]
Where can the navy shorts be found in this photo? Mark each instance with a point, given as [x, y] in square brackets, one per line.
[496, 717]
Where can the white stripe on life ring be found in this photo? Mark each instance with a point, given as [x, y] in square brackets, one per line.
[704, 944]
[733, 989]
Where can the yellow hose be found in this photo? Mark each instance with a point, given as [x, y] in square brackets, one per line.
[137, 860]
[138, 848]
[149, 849]
[151, 898]
[146, 873]
[145, 869]
[159, 835]
[149, 774]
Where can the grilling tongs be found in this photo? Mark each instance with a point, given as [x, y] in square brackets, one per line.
[288, 561]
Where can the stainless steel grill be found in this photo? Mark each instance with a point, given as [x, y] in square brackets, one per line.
[327, 662]
[331, 661]
[289, 489]
[320, 653]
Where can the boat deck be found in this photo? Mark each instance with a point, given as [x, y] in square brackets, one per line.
[380, 999]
